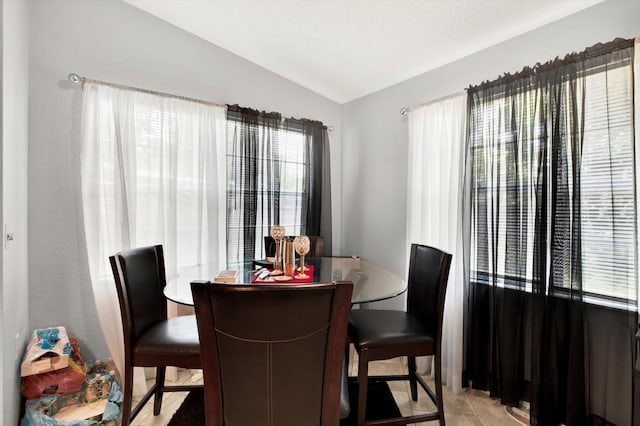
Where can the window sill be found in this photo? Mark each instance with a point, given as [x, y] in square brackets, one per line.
[630, 306]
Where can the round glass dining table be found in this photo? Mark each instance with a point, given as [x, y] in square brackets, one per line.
[371, 282]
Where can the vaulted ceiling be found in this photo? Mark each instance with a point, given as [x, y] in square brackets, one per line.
[346, 49]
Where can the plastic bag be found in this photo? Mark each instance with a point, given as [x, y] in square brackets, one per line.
[48, 350]
[43, 411]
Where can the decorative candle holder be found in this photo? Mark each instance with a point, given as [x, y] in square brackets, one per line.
[277, 232]
[302, 245]
[288, 257]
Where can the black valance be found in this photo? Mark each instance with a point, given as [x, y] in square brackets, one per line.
[237, 112]
[597, 52]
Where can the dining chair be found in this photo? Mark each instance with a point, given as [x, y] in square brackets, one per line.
[317, 245]
[151, 339]
[384, 334]
[272, 354]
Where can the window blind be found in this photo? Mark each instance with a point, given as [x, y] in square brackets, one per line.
[267, 184]
[511, 148]
[608, 186]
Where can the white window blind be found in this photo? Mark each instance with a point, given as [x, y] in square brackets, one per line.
[153, 175]
[274, 182]
[608, 180]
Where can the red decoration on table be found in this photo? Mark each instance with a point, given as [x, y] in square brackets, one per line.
[270, 279]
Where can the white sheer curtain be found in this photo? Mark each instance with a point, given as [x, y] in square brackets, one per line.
[435, 184]
[153, 172]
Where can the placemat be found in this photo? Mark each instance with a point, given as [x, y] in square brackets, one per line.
[275, 280]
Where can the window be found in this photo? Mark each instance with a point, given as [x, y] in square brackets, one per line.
[150, 176]
[275, 175]
[608, 207]
[153, 160]
[528, 228]
[267, 189]
[505, 161]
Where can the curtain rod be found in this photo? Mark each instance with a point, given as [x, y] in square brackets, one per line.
[405, 110]
[76, 79]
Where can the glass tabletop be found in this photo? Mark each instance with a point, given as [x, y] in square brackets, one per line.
[371, 282]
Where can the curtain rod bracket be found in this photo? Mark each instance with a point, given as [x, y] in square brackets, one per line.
[404, 111]
[75, 78]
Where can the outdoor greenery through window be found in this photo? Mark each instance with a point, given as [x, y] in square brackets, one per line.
[553, 186]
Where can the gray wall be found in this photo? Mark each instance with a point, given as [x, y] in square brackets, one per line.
[14, 298]
[375, 137]
[113, 41]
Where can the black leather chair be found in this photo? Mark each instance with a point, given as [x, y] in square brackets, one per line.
[150, 338]
[272, 354]
[385, 334]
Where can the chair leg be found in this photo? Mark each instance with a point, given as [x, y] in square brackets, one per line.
[157, 399]
[346, 355]
[413, 382]
[363, 385]
[127, 393]
[438, 385]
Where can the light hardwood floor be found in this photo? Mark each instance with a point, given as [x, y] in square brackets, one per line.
[471, 407]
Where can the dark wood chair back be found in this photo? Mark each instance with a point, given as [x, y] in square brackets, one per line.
[427, 286]
[140, 280]
[384, 334]
[272, 354]
[151, 339]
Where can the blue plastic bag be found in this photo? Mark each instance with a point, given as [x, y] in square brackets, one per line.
[39, 412]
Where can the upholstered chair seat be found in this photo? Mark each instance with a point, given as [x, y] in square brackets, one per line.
[385, 328]
[174, 337]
